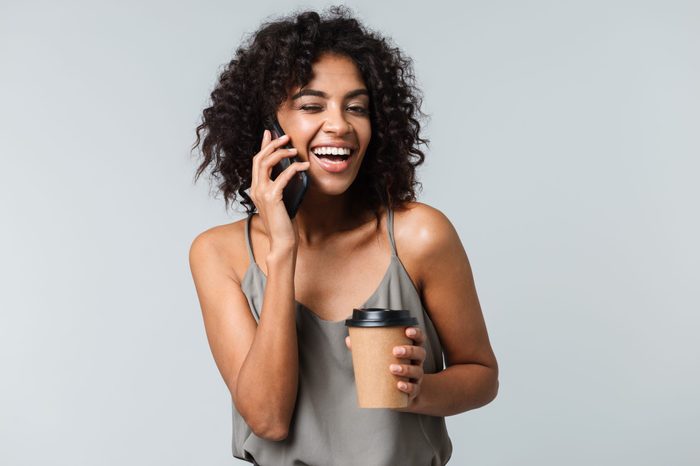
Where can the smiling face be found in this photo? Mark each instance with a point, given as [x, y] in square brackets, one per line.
[327, 119]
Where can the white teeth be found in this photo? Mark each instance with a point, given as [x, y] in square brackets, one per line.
[332, 151]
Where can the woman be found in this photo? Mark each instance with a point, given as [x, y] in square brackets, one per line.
[333, 86]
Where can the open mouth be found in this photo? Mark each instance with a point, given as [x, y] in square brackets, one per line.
[335, 160]
[334, 154]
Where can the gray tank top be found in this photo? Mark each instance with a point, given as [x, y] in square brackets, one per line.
[328, 428]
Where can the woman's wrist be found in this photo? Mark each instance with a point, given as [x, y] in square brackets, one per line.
[281, 257]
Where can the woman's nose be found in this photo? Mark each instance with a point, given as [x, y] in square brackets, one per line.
[336, 123]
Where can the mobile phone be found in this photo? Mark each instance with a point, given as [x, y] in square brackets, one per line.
[294, 191]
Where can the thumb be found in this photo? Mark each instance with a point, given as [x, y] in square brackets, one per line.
[347, 343]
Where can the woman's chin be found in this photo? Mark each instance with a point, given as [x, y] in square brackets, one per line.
[328, 187]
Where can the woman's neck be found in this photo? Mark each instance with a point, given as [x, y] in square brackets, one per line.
[321, 217]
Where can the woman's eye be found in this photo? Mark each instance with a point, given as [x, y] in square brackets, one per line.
[357, 109]
[317, 108]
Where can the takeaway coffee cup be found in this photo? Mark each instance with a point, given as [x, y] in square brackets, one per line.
[373, 334]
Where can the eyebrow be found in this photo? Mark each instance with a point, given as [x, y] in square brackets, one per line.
[316, 93]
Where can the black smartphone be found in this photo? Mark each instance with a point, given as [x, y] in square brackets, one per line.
[293, 193]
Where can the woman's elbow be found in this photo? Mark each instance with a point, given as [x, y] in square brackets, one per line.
[262, 426]
[275, 433]
[494, 392]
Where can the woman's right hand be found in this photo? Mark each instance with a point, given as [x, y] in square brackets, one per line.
[267, 194]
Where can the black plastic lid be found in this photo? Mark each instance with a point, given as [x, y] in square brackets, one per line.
[374, 317]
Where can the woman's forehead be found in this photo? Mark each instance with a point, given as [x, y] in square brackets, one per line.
[334, 75]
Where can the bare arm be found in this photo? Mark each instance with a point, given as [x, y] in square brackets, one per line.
[268, 378]
[258, 363]
[449, 295]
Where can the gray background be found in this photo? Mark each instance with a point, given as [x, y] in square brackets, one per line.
[564, 150]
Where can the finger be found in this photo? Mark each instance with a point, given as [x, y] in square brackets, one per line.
[254, 170]
[275, 157]
[348, 343]
[267, 137]
[413, 389]
[272, 144]
[287, 174]
[416, 334]
[414, 353]
[269, 147]
[407, 370]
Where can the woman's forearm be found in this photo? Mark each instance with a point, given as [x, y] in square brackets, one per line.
[459, 388]
[267, 382]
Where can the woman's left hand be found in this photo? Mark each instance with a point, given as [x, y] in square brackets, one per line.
[414, 371]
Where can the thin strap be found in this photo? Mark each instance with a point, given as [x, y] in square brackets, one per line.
[390, 229]
[247, 238]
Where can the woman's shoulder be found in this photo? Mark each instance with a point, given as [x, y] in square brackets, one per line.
[422, 232]
[421, 223]
[223, 245]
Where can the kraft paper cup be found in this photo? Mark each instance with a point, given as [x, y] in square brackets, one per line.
[373, 334]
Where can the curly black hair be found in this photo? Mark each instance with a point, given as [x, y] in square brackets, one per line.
[277, 58]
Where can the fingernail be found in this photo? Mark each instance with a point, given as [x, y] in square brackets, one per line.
[402, 386]
[411, 332]
[395, 368]
[399, 351]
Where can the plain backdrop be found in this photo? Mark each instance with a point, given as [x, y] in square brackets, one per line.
[564, 149]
